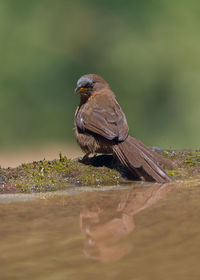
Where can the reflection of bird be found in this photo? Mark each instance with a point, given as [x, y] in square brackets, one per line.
[101, 127]
[107, 220]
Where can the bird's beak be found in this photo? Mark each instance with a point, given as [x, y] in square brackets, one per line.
[79, 89]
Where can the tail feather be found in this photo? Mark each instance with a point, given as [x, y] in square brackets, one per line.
[141, 161]
[158, 158]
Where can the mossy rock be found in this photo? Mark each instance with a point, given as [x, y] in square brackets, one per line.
[56, 175]
[101, 170]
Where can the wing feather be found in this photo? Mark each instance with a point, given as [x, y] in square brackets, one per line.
[103, 115]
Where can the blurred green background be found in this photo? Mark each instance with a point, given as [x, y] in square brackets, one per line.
[148, 50]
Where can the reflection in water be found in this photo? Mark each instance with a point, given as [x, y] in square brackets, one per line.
[42, 239]
[107, 222]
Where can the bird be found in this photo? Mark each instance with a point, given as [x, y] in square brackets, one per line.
[101, 127]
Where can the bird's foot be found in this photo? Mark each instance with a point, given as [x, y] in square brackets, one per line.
[84, 159]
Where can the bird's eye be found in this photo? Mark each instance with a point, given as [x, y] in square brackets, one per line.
[88, 85]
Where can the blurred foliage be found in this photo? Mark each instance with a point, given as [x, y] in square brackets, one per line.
[148, 50]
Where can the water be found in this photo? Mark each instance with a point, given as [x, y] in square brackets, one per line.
[138, 232]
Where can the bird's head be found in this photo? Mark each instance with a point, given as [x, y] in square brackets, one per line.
[90, 83]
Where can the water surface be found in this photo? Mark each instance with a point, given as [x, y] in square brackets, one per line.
[138, 232]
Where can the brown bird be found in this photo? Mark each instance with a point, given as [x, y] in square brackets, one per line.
[101, 127]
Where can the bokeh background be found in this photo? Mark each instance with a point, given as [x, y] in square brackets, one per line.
[148, 50]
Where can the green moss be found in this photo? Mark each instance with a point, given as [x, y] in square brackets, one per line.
[188, 164]
[62, 172]
[193, 159]
[58, 174]
[166, 154]
[102, 176]
[176, 174]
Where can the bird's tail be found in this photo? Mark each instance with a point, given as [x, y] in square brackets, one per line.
[142, 161]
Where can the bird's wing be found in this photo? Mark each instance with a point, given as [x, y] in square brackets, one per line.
[102, 115]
